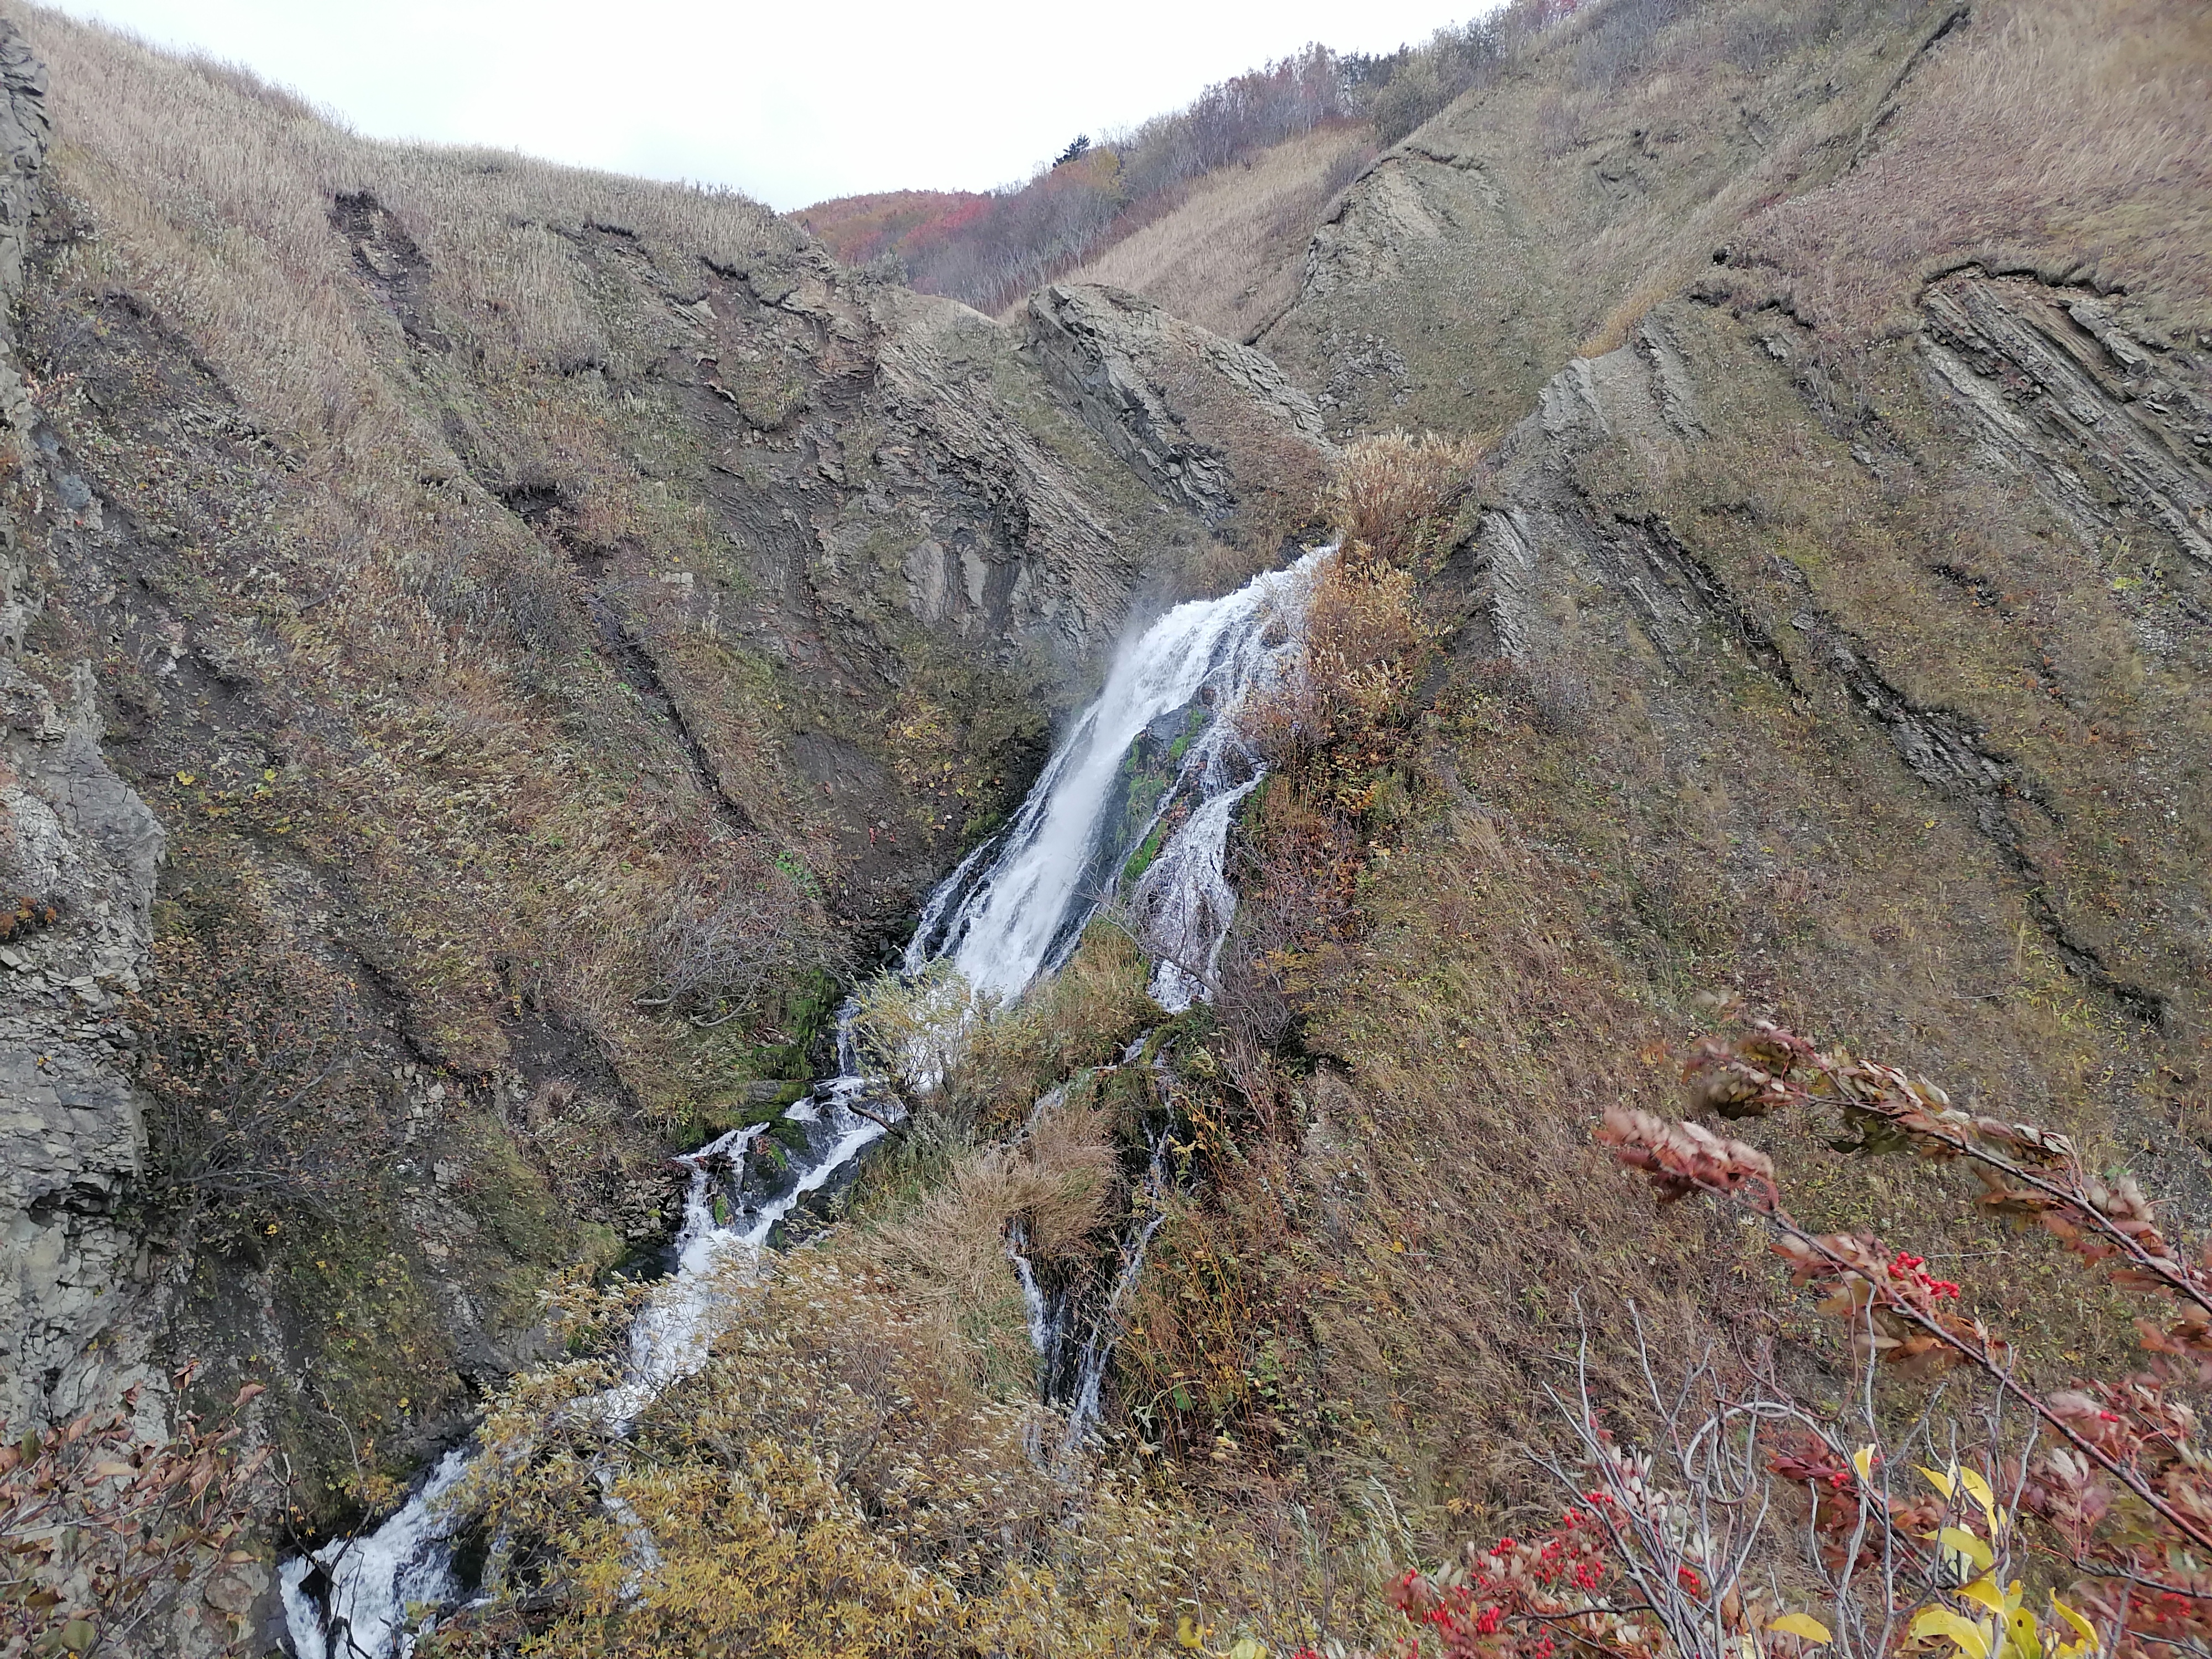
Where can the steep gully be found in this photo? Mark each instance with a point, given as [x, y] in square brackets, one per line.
[1015, 908]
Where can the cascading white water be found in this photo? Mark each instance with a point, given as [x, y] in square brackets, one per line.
[1003, 921]
[351, 1599]
[1018, 904]
[1015, 905]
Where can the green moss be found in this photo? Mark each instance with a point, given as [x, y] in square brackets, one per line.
[1141, 859]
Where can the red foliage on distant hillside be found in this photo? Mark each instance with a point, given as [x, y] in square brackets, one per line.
[857, 228]
[990, 249]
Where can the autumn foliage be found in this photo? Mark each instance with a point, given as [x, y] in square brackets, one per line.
[2008, 1520]
[104, 1535]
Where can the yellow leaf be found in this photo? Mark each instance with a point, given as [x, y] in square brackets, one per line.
[1863, 1460]
[1970, 1638]
[1246, 1648]
[187, 779]
[2088, 1631]
[1973, 1483]
[1957, 1540]
[1803, 1626]
[1188, 1632]
[1940, 1482]
[1985, 1589]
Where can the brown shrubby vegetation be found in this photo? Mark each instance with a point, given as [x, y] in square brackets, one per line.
[2092, 1492]
[833, 1482]
[730, 939]
[261, 1114]
[107, 1538]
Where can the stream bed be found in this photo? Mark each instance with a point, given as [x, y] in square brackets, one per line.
[1134, 810]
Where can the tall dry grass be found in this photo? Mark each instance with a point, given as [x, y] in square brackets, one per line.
[1227, 258]
[214, 199]
[1057, 1183]
[1397, 493]
[2047, 133]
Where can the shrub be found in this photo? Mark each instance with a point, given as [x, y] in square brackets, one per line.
[1359, 647]
[831, 1482]
[260, 1109]
[1397, 493]
[732, 935]
[2095, 1493]
[106, 1538]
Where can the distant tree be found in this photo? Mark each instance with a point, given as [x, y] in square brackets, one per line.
[1075, 151]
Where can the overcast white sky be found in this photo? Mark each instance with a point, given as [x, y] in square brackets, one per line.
[791, 102]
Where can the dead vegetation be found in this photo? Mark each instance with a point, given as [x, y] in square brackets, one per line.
[1055, 1187]
[1229, 257]
[1821, 162]
[2068, 139]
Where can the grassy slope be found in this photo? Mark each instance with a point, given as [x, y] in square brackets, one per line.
[494, 558]
[1230, 257]
[1569, 851]
[1830, 156]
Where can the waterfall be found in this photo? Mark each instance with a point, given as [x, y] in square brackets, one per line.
[351, 1598]
[1004, 918]
[1016, 907]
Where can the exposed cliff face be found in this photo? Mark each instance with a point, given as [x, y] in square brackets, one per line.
[1208, 423]
[497, 583]
[77, 863]
[1829, 158]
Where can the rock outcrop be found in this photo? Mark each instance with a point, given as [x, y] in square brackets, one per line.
[493, 580]
[78, 852]
[1957, 649]
[1205, 420]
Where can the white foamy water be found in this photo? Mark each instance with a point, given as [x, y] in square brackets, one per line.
[363, 1613]
[1005, 920]
[1015, 907]
[351, 1599]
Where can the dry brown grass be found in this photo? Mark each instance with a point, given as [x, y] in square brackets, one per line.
[1397, 493]
[1360, 648]
[1228, 259]
[214, 197]
[1058, 1182]
[2055, 134]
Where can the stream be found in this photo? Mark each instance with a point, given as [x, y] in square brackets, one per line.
[1150, 775]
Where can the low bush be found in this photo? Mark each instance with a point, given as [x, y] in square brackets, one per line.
[109, 1541]
[260, 1110]
[731, 937]
[2040, 1522]
[1398, 494]
[832, 1482]
[1359, 652]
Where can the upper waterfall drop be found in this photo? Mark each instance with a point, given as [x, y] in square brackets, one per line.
[1005, 922]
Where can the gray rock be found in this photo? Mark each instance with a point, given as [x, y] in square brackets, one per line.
[1139, 379]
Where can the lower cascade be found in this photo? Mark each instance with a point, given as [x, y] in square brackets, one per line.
[1132, 811]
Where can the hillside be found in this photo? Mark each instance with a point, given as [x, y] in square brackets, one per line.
[857, 229]
[494, 649]
[497, 653]
[1231, 257]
